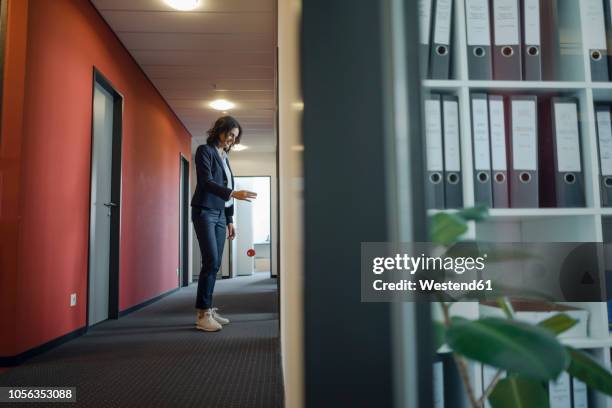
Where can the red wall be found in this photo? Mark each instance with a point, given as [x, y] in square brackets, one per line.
[65, 40]
[10, 153]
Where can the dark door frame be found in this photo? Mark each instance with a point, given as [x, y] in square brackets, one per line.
[183, 221]
[115, 207]
[271, 203]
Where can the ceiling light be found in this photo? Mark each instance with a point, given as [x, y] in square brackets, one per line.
[221, 104]
[183, 5]
[239, 147]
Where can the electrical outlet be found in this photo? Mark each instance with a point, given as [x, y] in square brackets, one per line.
[73, 299]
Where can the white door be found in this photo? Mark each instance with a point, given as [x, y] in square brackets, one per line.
[99, 235]
[243, 219]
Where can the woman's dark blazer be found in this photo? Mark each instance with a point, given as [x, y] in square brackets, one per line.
[211, 188]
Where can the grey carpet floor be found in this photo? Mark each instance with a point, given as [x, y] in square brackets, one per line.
[155, 358]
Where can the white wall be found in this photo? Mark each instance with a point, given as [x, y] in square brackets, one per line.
[291, 187]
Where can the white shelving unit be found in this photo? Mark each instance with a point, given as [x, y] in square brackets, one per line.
[536, 224]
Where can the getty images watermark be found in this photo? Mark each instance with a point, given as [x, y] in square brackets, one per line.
[466, 271]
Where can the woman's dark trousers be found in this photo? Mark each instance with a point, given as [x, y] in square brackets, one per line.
[210, 228]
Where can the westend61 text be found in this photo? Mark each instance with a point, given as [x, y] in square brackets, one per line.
[429, 285]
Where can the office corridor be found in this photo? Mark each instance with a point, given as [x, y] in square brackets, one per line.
[154, 357]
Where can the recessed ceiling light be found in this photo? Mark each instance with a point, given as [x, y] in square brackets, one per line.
[183, 5]
[239, 147]
[221, 104]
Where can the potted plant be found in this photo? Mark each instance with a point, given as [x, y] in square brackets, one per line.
[531, 355]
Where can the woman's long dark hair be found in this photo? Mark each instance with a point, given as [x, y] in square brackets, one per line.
[223, 125]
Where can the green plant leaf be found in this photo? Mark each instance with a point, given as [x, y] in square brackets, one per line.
[439, 332]
[478, 213]
[514, 346]
[558, 323]
[587, 370]
[517, 392]
[447, 228]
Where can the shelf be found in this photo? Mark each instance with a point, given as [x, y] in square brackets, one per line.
[454, 84]
[588, 343]
[537, 224]
[601, 85]
[518, 213]
[579, 343]
[527, 85]
[442, 84]
[515, 213]
[534, 213]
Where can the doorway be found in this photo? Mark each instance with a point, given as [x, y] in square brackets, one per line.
[253, 222]
[183, 222]
[105, 200]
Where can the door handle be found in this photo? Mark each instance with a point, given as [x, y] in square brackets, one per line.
[111, 205]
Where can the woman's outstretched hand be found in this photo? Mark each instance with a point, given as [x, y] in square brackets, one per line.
[244, 195]
[231, 231]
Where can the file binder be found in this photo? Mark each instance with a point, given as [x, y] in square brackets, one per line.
[478, 39]
[595, 38]
[453, 185]
[532, 56]
[579, 394]
[499, 165]
[523, 118]
[439, 59]
[433, 143]
[561, 40]
[569, 179]
[559, 395]
[546, 156]
[608, 20]
[438, 384]
[482, 155]
[507, 41]
[606, 226]
[604, 143]
[551, 41]
[424, 32]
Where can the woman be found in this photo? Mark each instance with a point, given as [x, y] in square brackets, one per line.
[212, 211]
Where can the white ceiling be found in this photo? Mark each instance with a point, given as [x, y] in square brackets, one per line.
[223, 49]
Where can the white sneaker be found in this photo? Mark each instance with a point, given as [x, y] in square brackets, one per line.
[218, 317]
[208, 323]
[199, 315]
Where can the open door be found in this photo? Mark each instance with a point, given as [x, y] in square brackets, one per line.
[253, 222]
[105, 199]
